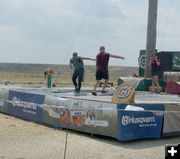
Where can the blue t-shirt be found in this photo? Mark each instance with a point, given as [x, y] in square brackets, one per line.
[79, 64]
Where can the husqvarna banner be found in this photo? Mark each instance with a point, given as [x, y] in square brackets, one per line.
[25, 105]
[135, 122]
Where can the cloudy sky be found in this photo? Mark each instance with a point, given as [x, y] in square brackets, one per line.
[43, 31]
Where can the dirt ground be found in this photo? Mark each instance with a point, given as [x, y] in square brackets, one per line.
[20, 139]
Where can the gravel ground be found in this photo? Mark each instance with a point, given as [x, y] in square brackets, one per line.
[21, 139]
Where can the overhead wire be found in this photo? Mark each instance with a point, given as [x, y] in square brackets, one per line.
[166, 24]
[76, 36]
[67, 55]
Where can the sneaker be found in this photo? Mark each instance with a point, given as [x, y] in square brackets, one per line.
[77, 94]
[103, 91]
[76, 90]
[94, 93]
[158, 92]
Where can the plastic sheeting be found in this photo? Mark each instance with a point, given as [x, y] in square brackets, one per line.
[59, 108]
[173, 88]
[172, 76]
[171, 120]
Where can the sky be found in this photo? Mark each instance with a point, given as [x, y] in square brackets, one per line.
[49, 31]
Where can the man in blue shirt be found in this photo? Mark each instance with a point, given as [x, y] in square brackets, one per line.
[78, 65]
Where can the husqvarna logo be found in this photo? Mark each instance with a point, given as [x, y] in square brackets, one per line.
[26, 105]
[124, 92]
[142, 61]
[126, 120]
[15, 101]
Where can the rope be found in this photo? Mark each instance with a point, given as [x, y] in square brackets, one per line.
[76, 36]
[65, 148]
[166, 24]
[67, 55]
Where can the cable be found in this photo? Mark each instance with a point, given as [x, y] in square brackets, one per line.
[166, 24]
[76, 36]
[67, 55]
[67, 132]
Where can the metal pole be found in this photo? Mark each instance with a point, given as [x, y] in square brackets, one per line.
[151, 34]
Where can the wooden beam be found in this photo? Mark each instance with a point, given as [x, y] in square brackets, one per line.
[151, 34]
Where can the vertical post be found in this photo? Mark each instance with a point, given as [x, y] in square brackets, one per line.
[49, 73]
[49, 81]
[151, 34]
